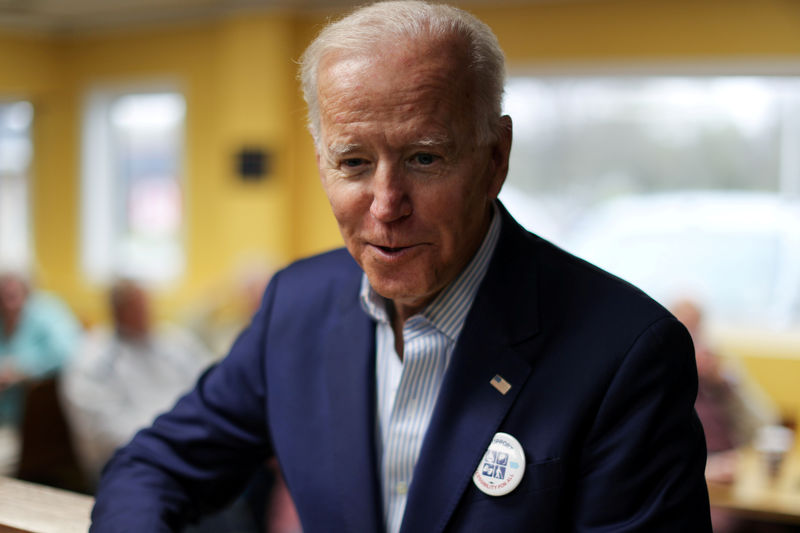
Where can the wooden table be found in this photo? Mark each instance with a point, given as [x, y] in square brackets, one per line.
[30, 508]
[754, 494]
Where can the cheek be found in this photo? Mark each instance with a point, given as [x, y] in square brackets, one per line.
[347, 204]
[461, 216]
[458, 205]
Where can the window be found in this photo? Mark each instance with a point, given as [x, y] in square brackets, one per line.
[132, 223]
[16, 151]
[581, 140]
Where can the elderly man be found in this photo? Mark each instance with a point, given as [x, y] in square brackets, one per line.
[123, 377]
[449, 371]
[38, 334]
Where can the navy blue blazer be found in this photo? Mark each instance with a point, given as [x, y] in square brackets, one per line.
[603, 382]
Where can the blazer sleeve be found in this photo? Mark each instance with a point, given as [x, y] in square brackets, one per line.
[643, 466]
[199, 455]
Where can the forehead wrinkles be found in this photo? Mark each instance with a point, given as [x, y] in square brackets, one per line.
[399, 124]
[401, 106]
[404, 92]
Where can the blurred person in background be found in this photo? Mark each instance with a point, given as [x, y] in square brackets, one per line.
[38, 334]
[123, 377]
[216, 319]
[731, 409]
[219, 314]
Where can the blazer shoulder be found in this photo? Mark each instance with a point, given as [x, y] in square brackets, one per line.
[573, 290]
[538, 287]
[591, 287]
[319, 281]
[329, 267]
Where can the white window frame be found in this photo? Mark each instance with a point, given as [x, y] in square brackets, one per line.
[16, 229]
[100, 259]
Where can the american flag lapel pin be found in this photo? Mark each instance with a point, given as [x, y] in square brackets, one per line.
[500, 384]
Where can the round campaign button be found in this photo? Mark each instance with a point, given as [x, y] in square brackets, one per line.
[501, 467]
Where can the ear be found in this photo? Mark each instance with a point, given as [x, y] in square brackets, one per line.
[501, 150]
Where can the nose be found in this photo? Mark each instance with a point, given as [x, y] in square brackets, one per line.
[390, 195]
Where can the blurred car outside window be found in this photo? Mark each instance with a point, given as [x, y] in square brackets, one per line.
[686, 185]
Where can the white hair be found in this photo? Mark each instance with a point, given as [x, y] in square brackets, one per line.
[393, 21]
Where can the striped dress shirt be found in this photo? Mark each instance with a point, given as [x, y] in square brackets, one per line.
[407, 389]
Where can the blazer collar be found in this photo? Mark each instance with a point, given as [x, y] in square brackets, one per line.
[350, 362]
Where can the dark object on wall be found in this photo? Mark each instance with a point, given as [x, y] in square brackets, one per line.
[253, 164]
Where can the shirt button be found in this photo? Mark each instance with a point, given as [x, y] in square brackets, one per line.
[401, 488]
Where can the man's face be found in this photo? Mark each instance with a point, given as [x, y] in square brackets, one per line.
[132, 313]
[13, 294]
[409, 186]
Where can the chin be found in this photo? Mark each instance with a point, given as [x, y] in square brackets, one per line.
[409, 283]
[390, 288]
[407, 295]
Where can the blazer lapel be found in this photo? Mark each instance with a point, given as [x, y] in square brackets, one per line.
[469, 410]
[351, 385]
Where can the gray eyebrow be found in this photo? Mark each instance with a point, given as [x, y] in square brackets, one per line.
[436, 140]
[338, 150]
[341, 149]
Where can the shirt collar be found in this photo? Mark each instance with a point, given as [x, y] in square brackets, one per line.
[448, 311]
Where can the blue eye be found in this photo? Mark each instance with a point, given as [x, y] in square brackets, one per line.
[424, 158]
[353, 162]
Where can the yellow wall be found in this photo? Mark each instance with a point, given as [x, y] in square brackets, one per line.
[642, 30]
[771, 359]
[238, 78]
[26, 65]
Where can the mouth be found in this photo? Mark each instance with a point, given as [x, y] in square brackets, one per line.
[392, 249]
[392, 252]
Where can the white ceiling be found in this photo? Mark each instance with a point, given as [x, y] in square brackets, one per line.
[81, 15]
[77, 15]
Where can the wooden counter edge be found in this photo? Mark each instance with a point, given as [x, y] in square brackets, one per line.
[31, 508]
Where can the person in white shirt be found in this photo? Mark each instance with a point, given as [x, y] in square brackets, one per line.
[122, 378]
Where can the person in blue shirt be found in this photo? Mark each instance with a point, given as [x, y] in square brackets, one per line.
[38, 334]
